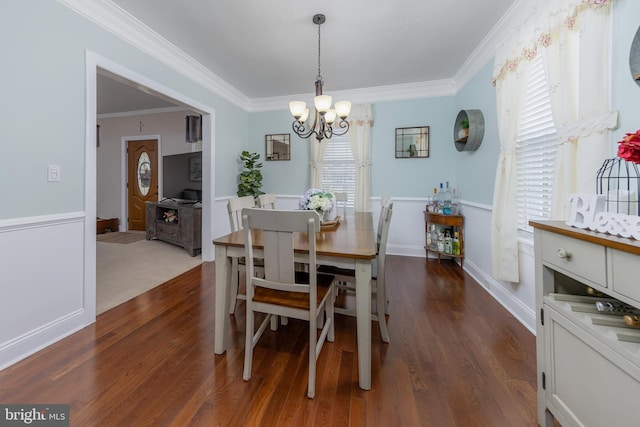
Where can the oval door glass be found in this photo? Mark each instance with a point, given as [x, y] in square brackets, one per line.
[144, 173]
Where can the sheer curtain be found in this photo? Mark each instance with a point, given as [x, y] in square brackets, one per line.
[510, 91]
[579, 89]
[360, 123]
[316, 155]
[578, 73]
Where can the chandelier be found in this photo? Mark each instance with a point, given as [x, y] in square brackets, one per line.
[324, 122]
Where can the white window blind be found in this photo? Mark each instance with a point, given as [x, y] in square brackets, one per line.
[339, 168]
[536, 151]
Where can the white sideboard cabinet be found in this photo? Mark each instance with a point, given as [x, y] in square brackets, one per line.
[588, 360]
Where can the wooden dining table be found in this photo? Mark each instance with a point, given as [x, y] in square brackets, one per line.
[350, 244]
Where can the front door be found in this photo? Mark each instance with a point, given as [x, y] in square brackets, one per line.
[142, 180]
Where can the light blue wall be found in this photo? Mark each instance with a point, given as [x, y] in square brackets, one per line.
[413, 177]
[625, 92]
[472, 173]
[477, 169]
[389, 176]
[43, 106]
[43, 98]
[280, 177]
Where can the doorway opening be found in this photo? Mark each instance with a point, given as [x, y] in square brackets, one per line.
[97, 65]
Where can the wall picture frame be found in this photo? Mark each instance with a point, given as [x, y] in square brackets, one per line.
[278, 146]
[412, 142]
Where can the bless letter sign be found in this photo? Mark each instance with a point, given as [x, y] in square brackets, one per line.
[587, 211]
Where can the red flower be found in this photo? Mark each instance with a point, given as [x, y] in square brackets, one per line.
[629, 148]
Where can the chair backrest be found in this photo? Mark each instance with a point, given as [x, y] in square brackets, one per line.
[235, 206]
[341, 202]
[384, 204]
[382, 242]
[267, 201]
[277, 227]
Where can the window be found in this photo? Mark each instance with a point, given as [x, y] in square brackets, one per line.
[339, 168]
[536, 151]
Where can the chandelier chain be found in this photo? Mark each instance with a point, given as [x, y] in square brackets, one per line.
[319, 77]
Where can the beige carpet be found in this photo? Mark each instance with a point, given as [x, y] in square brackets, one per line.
[126, 271]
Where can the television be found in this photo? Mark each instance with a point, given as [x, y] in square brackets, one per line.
[182, 176]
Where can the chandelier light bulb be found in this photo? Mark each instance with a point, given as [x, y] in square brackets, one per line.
[322, 103]
[305, 115]
[297, 109]
[343, 108]
[330, 116]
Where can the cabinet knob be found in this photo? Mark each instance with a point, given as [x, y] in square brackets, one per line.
[563, 253]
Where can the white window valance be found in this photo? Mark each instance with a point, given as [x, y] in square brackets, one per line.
[540, 29]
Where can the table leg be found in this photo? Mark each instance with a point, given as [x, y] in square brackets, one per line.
[363, 313]
[223, 282]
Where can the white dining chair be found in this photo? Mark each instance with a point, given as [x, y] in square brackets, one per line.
[378, 285]
[234, 208]
[284, 291]
[267, 201]
[341, 199]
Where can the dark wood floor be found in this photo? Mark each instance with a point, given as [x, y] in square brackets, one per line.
[456, 358]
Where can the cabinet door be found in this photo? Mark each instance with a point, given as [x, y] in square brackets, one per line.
[588, 382]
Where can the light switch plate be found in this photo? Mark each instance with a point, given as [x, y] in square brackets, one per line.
[53, 174]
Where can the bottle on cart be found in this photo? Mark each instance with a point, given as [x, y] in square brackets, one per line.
[434, 237]
[437, 198]
[455, 244]
[455, 207]
[446, 200]
[447, 241]
[440, 241]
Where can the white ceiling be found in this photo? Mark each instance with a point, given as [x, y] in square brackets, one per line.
[269, 48]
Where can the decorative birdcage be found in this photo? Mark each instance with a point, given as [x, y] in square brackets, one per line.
[619, 181]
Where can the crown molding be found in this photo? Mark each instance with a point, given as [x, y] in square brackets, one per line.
[399, 92]
[116, 20]
[119, 22]
[486, 50]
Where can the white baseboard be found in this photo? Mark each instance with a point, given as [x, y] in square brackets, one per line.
[35, 340]
[524, 314]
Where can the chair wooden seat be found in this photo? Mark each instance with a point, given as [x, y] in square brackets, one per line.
[295, 299]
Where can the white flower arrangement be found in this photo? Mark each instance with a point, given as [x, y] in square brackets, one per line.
[318, 200]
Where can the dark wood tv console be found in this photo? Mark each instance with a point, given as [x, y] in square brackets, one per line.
[176, 223]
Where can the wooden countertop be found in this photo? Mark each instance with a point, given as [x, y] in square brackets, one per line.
[604, 239]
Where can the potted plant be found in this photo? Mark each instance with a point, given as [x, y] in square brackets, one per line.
[464, 128]
[250, 177]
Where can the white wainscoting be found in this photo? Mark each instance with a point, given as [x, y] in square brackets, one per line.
[517, 298]
[42, 283]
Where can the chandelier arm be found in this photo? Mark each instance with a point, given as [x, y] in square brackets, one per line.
[343, 127]
[327, 132]
[300, 129]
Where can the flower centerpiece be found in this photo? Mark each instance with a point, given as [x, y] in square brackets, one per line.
[319, 200]
[629, 148]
